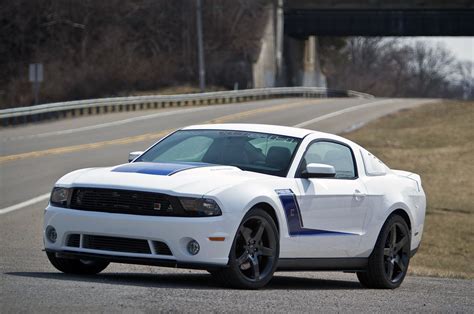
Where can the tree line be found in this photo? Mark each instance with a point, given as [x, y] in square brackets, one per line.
[397, 67]
[106, 48]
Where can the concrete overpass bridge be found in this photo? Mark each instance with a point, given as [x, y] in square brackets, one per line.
[289, 54]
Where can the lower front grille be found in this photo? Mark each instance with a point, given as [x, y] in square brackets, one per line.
[161, 248]
[73, 240]
[115, 244]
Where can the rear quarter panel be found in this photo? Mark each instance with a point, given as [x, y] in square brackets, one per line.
[387, 194]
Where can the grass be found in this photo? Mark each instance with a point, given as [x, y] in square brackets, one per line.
[175, 90]
[437, 142]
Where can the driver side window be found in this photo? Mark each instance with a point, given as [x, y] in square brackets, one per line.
[337, 155]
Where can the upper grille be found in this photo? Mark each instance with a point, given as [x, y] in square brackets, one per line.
[125, 202]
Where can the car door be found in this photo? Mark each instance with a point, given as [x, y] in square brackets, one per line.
[332, 210]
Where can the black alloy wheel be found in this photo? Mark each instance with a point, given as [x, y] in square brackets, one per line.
[388, 263]
[396, 252]
[254, 253]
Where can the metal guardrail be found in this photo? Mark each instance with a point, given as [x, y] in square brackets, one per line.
[22, 115]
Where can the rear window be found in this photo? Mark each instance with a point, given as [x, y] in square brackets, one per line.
[373, 165]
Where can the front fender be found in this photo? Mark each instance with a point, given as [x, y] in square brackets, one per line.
[238, 200]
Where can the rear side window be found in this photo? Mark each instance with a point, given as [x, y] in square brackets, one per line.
[337, 155]
[373, 166]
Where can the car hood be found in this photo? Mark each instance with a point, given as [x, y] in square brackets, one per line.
[184, 179]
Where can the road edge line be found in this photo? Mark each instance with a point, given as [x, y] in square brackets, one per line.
[29, 202]
[342, 111]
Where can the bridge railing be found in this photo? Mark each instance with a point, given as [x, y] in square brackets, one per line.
[22, 115]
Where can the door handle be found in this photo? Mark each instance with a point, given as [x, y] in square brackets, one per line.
[358, 195]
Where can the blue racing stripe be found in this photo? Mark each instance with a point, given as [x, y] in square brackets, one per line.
[294, 219]
[158, 168]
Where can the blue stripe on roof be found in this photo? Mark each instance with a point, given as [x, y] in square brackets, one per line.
[158, 168]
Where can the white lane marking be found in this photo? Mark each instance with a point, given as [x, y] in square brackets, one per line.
[113, 123]
[339, 112]
[29, 202]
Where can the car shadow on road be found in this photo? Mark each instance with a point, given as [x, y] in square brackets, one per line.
[190, 281]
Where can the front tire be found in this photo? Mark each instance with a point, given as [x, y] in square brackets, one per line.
[254, 254]
[388, 263]
[76, 266]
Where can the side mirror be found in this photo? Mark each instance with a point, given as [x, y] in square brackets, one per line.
[133, 155]
[314, 170]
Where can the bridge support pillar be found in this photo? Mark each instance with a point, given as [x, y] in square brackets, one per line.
[268, 68]
[285, 60]
[302, 62]
[312, 75]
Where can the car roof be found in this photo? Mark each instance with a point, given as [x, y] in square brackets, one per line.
[263, 128]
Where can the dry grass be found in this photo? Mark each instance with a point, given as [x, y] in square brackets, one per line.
[175, 90]
[437, 142]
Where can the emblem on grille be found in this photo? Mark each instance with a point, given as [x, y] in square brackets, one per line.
[157, 206]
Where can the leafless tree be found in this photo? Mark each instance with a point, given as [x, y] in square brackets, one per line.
[398, 68]
[113, 47]
[464, 78]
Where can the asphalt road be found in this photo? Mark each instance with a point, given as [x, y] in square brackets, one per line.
[33, 157]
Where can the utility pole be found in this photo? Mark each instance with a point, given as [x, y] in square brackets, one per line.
[202, 70]
[278, 41]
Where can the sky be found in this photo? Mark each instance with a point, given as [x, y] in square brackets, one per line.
[462, 47]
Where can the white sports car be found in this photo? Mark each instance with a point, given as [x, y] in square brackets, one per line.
[241, 201]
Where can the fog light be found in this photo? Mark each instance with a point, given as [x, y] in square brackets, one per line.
[193, 247]
[51, 234]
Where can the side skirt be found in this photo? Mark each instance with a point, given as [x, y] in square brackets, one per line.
[322, 264]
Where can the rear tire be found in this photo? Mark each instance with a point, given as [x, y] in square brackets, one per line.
[76, 266]
[388, 263]
[254, 254]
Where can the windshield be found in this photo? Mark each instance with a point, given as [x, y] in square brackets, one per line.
[251, 151]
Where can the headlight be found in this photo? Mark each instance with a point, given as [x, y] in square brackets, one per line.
[200, 206]
[60, 197]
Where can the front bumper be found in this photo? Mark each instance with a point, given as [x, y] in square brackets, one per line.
[134, 260]
[175, 232]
